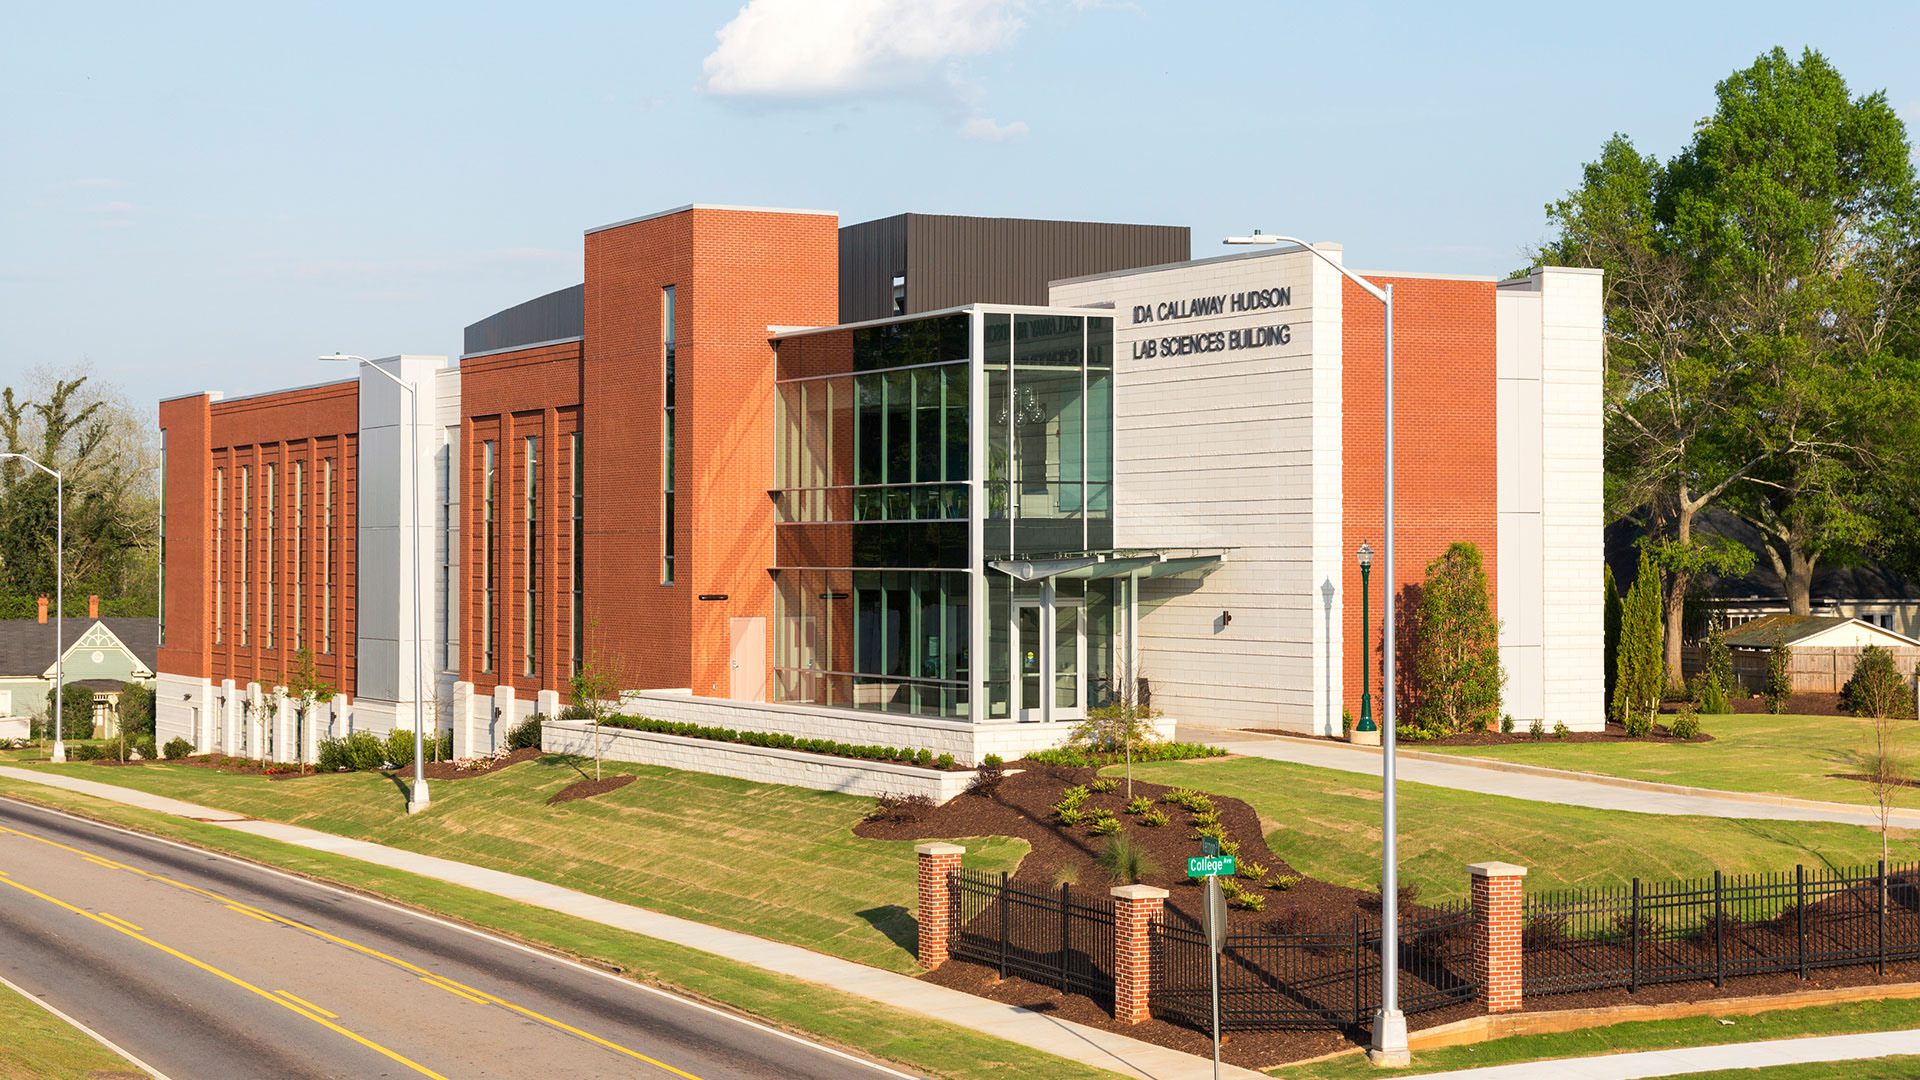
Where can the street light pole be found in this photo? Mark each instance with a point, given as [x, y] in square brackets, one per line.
[417, 798]
[1389, 1024]
[59, 600]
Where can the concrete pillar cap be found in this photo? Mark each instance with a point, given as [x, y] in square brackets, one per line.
[939, 849]
[1137, 892]
[1496, 869]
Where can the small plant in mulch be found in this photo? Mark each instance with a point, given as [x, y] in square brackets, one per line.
[900, 809]
[1106, 826]
[1104, 785]
[1543, 932]
[1408, 893]
[1291, 921]
[1281, 882]
[1140, 805]
[1253, 871]
[1154, 819]
[1125, 861]
[1715, 928]
[988, 779]
[1249, 901]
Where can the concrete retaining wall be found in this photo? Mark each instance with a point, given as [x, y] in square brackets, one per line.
[761, 764]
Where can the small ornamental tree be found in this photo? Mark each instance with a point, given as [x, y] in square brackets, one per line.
[307, 689]
[136, 709]
[594, 690]
[1717, 678]
[1456, 656]
[76, 712]
[1779, 676]
[1876, 688]
[1640, 672]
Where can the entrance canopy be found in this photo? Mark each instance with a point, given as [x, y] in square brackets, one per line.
[1095, 565]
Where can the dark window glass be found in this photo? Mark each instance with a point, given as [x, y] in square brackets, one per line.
[904, 344]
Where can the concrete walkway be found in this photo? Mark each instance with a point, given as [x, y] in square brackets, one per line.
[1075, 1042]
[1654, 1063]
[1544, 785]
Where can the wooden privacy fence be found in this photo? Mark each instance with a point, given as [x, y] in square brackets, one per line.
[1814, 669]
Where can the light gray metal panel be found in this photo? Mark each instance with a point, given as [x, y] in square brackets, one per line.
[559, 314]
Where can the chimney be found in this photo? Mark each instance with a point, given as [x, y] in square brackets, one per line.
[93, 607]
[43, 611]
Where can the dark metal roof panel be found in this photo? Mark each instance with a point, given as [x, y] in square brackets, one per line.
[559, 314]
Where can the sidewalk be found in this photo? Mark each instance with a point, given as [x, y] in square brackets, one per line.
[1075, 1042]
[1541, 785]
[1654, 1063]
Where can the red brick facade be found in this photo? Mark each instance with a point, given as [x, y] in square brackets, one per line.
[1444, 431]
[262, 515]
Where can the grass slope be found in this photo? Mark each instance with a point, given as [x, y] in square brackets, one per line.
[1772, 755]
[928, 1047]
[1327, 824]
[778, 862]
[1658, 1035]
[40, 1046]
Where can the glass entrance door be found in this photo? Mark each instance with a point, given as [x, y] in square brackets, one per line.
[1050, 655]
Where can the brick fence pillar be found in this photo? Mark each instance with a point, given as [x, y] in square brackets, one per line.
[937, 861]
[1496, 933]
[1135, 907]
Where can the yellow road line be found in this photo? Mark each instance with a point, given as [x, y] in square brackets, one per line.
[235, 980]
[296, 999]
[416, 969]
[119, 920]
[431, 981]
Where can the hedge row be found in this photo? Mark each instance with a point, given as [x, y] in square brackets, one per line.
[901, 755]
[1074, 757]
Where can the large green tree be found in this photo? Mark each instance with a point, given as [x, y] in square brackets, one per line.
[1751, 283]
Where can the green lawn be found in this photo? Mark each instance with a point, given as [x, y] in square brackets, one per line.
[1660, 1035]
[778, 862]
[41, 1046]
[1774, 755]
[927, 1047]
[1327, 824]
[1885, 1068]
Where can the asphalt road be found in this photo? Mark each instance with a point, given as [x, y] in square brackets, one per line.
[205, 967]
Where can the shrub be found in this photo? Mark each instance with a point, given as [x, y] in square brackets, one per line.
[1104, 784]
[399, 748]
[1078, 758]
[1179, 796]
[443, 746]
[1140, 805]
[1291, 922]
[1710, 696]
[177, 748]
[1876, 688]
[1506, 723]
[88, 751]
[1251, 901]
[332, 756]
[1641, 672]
[1200, 805]
[924, 757]
[365, 751]
[1685, 726]
[1154, 819]
[992, 761]
[1216, 830]
[1125, 861]
[1543, 932]
[1346, 723]
[1211, 817]
[1068, 815]
[1779, 676]
[1417, 734]
[136, 709]
[1537, 729]
[1456, 651]
[1638, 725]
[525, 735]
[144, 746]
[1561, 730]
[987, 780]
[900, 809]
[1253, 871]
[1231, 888]
[943, 762]
[1106, 826]
[1282, 882]
[1073, 796]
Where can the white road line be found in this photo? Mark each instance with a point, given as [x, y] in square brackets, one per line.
[481, 934]
[84, 1029]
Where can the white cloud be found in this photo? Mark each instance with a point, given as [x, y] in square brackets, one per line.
[981, 127]
[811, 49]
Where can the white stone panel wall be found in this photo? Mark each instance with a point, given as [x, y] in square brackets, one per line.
[1572, 508]
[389, 507]
[176, 698]
[1519, 461]
[1235, 448]
[765, 765]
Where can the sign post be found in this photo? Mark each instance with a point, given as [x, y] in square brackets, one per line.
[1211, 865]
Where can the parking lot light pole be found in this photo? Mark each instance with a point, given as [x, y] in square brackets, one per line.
[59, 600]
[417, 797]
[1389, 1023]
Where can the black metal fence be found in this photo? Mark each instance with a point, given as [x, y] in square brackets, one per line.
[1714, 928]
[1058, 938]
[1327, 976]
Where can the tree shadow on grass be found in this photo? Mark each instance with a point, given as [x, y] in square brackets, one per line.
[897, 923]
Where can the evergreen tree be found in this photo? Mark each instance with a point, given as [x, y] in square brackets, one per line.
[1456, 655]
[1611, 617]
[1641, 671]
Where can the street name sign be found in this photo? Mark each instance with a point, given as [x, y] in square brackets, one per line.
[1210, 866]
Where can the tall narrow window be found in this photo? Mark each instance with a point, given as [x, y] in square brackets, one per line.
[219, 556]
[530, 603]
[447, 474]
[272, 577]
[243, 556]
[578, 469]
[666, 437]
[326, 556]
[299, 554]
[160, 581]
[489, 570]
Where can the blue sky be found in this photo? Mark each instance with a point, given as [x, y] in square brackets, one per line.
[206, 197]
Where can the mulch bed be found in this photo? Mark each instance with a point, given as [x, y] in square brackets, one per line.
[587, 789]
[1864, 778]
[446, 770]
[1613, 733]
[1798, 704]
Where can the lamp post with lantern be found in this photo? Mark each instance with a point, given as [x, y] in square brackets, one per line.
[1366, 640]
